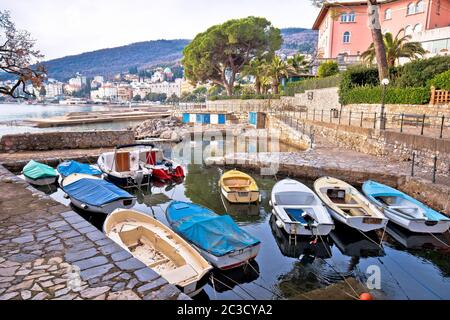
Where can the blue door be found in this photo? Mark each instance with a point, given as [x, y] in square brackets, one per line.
[198, 118]
[252, 118]
[221, 119]
[185, 117]
[206, 118]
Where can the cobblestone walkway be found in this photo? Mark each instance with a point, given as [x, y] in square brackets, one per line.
[50, 252]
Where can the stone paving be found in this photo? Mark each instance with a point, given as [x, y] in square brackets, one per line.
[48, 251]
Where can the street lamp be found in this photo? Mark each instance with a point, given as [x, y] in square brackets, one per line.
[384, 84]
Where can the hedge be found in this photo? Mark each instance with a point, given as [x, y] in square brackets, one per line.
[245, 97]
[417, 73]
[394, 95]
[441, 81]
[316, 83]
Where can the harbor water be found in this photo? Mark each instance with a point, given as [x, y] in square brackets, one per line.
[13, 118]
[411, 266]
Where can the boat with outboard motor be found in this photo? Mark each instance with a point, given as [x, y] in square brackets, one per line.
[126, 166]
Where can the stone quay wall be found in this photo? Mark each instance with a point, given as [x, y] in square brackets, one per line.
[64, 140]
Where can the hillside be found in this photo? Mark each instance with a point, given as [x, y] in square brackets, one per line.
[110, 61]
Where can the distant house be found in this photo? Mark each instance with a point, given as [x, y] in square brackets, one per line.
[344, 33]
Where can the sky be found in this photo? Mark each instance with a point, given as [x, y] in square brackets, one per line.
[67, 27]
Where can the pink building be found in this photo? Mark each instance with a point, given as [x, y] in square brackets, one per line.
[343, 25]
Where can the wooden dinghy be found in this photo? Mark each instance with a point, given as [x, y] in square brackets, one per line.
[94, 194]
[348, 205]
[39, 174]
[238, 187]
[404, 210]
[299, 210]
[158, 247]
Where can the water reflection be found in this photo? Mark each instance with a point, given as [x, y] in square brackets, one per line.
[416, 241]
[225, 280]
[353, 243]
[306, 249]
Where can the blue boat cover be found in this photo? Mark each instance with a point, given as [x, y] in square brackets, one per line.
[68, 167]
[219, 235]
[95, 192]
[374, 189]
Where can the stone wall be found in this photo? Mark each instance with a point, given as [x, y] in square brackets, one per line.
[327, 98]
[287, 134]
[64, 140]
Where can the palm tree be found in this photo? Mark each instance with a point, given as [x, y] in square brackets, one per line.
[256, 68]
[299, 65]
[276, 70]
[398, 47]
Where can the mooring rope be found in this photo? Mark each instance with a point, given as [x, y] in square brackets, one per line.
[341, 275]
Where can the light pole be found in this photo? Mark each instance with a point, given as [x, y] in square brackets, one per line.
[384, 84]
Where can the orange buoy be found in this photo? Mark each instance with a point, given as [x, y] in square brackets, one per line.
[365, 296]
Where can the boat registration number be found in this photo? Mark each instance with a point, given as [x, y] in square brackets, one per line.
[236, 253]
[371, 220]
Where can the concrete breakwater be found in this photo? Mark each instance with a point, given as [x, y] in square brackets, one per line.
[64, 140]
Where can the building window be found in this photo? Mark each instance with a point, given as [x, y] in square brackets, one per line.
[411, 8]
[408, 30]
[419, 6]
[344, 17]
[388, 14]
[418, 27]
[351, 17]
[346, 37]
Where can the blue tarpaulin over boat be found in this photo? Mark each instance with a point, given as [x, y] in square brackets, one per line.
[95, 192]
[68, 167]
[374, 189]
[216, 234]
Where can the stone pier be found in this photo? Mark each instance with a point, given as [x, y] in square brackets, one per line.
[48, 251]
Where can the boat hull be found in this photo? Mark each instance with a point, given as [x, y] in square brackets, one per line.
[417, 225]
[235, 197]
[127, 182]
[358, 222]
[296, 228]
[106, 208]
[232, 259]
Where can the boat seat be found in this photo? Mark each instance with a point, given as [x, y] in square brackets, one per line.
[346, 205]
[179, 274]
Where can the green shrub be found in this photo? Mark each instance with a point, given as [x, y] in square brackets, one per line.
[357, 76]
[394, 95]
[418, 72]
[441, 81]
[309, 84]
[327, 69]
[245, 97]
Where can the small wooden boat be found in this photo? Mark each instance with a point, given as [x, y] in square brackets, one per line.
[94, 194]
[158, 247]
[126, 168]
[299, 210]
[66, 168]
[238, 187]
[404, 210]
[218, 238]
[348, 205]
[39, 174]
